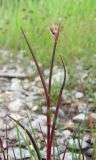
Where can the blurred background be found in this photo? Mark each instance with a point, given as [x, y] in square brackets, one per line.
[78, 29]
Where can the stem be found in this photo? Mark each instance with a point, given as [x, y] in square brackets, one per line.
[7, 140]
[57, 109]
[49, 90]
[46, 93]
[51, 68]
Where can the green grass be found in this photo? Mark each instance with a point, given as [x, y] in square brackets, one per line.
[78, 33]
[77, 36]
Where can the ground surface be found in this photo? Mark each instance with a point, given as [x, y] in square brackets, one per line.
[22, 96]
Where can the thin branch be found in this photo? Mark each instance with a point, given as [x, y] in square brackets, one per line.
[37, 65]
[51, 68]
[42, 134]
[45, 89]
[57, 107]
[13, 153]
[55, 32]
[7, 140]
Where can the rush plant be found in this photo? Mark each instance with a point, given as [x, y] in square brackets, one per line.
[50, 128]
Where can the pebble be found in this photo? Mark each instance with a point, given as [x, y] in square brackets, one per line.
[90, 152]
[60, 113]
[74, 143]
[79, 95]
[40, 121]
[16, 116]
[80, 118]
[16, 85]
[17, 105]
[66, 134]
[92, 116]
[25, 153]
[69, 126]
[82, 108]
[72, 156]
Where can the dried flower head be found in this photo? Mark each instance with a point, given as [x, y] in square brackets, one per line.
[55, 32]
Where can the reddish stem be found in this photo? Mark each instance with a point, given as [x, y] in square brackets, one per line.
[46, 93]
[51, 68]
[7, 140]
[56, 35]
[57, 109]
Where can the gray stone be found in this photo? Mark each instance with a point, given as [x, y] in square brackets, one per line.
[90, 152]
[82, 108]
[74, 143]
[16, 85]
[72, 156]
[80, 118]
[25, 153]
[40, 121]
[66, 134]
[17, 105]
[60, 113]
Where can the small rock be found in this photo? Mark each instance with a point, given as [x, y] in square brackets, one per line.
[44, 151]
[16, 105]
[90, 152]
[66, 134]
[43, 129]
[72, 156]
[69, 126]
[60, 112]
[25, 153]
[79, 95]
[16, 116]
[39, 122]
[46, 72]
[35, 108]
[82, 108]
[92, 116]
[74, 143]
[80, 118]
[16, 85]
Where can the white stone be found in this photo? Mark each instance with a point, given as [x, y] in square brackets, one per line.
[80, 118]
[79, 95]
[24, 152]
[72, 156]
[39, 122]
[66, 134]
[82, 108]
[74, 143]
[16, 85]
[16, 105]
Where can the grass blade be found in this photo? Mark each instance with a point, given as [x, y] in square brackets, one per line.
[19, 141]
[53, 55]
[31, 138]
[45, 89]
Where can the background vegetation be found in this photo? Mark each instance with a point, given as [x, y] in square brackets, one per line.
[78, 28]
